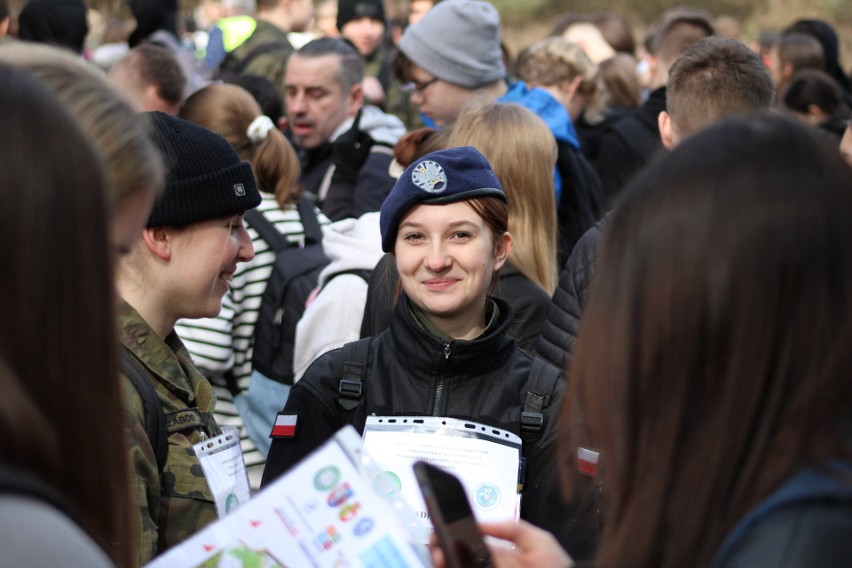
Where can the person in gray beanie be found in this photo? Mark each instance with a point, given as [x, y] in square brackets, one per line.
[179, 268]
[450, 56]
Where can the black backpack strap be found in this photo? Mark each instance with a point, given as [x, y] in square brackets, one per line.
[155, 417]
[310, 223]
[266, 230]
[361, 273]
[540, 384]
[351, 387]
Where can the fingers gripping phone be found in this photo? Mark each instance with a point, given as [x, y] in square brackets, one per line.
[453, 520]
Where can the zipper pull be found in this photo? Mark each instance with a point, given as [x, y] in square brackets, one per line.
[446, 351]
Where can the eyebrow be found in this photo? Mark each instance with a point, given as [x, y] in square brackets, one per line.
[453, 225]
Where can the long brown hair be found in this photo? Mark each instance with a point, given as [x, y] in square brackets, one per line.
[59, 337]
[713, 360]
[228, 110]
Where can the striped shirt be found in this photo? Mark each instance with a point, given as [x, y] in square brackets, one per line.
[225, 342]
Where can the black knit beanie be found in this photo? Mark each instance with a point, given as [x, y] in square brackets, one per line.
[348, 10]
[55, 22]
[206, 178]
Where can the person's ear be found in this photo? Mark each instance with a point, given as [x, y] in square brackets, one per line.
[572, 86]
[356, 98]
[159, 242]
[664, 121]
[502, 248]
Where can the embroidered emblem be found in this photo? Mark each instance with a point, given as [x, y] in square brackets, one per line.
[239, 189]
[429, 176]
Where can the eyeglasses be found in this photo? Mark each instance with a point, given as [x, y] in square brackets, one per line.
[417, 86]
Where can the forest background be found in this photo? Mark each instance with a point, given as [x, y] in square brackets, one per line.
[526, 21]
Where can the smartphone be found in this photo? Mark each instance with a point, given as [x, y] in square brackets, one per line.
[455, 526]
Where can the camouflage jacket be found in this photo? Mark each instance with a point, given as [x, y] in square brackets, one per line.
[270, 64]
[177, 503]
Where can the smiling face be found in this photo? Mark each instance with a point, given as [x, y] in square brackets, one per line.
[446, 256]
[316, 102]
[205, 256]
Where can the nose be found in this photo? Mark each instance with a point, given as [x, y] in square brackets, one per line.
[437, 258]
[296, 104]
[246, 251]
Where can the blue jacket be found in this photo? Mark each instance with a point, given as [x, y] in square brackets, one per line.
[551, 111]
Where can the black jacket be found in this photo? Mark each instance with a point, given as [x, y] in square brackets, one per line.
[560, 329]
[807, 521]
[629, 144]
[344, 200]
[412, 372]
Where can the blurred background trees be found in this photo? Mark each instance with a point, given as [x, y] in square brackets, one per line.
[526, 21]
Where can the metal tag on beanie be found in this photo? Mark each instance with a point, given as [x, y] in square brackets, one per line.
[239, 189]
[429, 176]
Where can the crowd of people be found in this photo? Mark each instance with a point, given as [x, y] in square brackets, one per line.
[629, 249]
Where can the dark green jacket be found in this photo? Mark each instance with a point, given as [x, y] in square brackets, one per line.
[270, 64]
[177, 503]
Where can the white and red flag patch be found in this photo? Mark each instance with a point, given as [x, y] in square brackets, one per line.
[285, 426]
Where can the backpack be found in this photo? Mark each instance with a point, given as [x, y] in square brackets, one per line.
[155, 417]
[233, 66]
[294, 276]
[541, 382]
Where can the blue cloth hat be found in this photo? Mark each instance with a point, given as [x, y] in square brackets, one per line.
[442, 177]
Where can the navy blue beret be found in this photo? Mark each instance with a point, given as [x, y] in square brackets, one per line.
[445, 176]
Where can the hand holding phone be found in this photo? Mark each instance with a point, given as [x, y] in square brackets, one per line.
[455, 526]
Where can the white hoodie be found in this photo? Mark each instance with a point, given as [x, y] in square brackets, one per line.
[334, 316]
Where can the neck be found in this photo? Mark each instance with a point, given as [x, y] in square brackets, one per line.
[464, 327]
[146, 304]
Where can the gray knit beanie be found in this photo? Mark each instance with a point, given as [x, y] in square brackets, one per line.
[457, 41]
[206, 178]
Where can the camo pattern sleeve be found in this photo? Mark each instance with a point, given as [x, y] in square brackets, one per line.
[174, 504]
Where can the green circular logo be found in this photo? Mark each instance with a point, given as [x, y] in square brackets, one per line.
[326, 478]
[387, 484]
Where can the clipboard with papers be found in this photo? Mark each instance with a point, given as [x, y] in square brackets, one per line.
[487, 460]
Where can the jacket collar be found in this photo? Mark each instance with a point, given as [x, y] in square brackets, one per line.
[429, 353]
[166, 358]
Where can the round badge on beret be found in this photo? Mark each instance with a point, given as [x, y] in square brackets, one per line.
[429, 176]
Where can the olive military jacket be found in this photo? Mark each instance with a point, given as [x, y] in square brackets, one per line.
[176, 503]
[271, 61]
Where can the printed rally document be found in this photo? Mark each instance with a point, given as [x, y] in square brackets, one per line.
[324, 512]
[487, 460]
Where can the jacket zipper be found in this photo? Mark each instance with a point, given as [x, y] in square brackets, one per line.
[440, 386]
